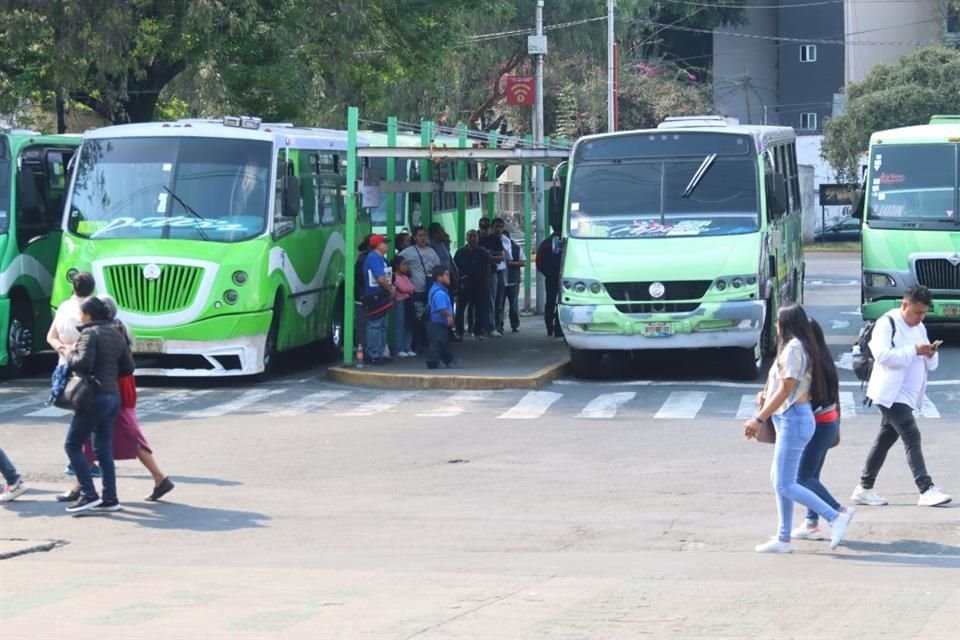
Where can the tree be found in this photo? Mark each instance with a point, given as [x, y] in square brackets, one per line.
[922, 84]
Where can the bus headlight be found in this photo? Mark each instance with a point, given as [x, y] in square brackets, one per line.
[580, 287]
[231, 296]
[721, 285]
[737, 283]
[878, 280]
[596, 287]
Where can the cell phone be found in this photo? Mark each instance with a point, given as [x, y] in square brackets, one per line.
[936, 344]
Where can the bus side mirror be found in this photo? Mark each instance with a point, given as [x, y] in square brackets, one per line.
[555, 205]
[859, 203]
[291, 196]
[776, 188]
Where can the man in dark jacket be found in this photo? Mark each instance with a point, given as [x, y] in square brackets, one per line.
[473, 264]
[548, 265]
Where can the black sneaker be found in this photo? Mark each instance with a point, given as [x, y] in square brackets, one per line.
[106, 506]
[68, 496]
[83, 504]
[162, 489]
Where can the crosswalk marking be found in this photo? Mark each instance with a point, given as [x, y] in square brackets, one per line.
[245, 400]
[382, 402]
[848, 405]
[457, 404]
[310, 402]
[929, 409]
[167, 398]
[606, 405]
[30, 401]
[748, 407]
[49, 412]
[533, 405]
[681, 405]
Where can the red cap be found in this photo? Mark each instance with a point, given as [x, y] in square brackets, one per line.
[375, 241]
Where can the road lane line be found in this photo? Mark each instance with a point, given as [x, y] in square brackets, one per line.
[311, 402]
[606, 405]
[533, 405]
[383, 402]
[681, 405]
[929, 409]
[748, 407]
[246, 399]
[457, 404]
[848, 405]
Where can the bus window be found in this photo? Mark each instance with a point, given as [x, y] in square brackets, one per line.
[310, 189]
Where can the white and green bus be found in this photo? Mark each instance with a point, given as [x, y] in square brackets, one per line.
[33, 185]
[911, 226]
[687, 236]
[221, 241]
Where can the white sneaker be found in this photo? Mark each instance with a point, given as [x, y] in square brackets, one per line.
[932, 497]
[803, 532]
[405, 354]
[496, 334]
[774, 545]
[12, 493]
[839, 527]
[868, 497]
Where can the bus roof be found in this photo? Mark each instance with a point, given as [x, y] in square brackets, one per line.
[942, 130]
[762, 135]
[282, 135]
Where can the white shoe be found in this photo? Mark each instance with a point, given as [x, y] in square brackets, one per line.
[405, 354]
[12, 493]
[496, 334]
[868, 497]
[803, 532]
[933, 497]
[774, 545]
[839, 527]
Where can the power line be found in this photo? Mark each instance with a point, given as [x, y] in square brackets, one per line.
[483, 37]
[811, 3]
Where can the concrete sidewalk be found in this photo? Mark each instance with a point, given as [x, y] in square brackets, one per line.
[525, 360]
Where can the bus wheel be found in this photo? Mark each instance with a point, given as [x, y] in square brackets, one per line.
[768, 344]
[19, 340]
[270, 345]
[747, 364]
[585, 364]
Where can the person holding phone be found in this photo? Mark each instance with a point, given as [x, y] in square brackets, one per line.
[903, 357]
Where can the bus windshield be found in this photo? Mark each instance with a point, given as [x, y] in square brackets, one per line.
[706, 196]
[913, 182]
[178, 188]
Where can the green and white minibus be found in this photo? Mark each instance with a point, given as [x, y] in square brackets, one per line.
[687, 236]
[221, 241]
[911, 227]
[33, 185]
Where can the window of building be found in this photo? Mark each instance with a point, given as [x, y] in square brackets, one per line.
[808, 120]
[808, 53]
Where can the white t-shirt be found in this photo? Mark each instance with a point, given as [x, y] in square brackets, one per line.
[507, 252]
[67, 322]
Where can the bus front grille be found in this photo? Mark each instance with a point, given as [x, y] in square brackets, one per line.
[173, 290]
[938, 273]
[673, 290]
[657, 307]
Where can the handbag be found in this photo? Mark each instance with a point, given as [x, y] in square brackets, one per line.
[766, 433]
[79, 393]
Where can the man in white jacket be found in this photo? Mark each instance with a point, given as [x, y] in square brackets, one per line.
[902, 355]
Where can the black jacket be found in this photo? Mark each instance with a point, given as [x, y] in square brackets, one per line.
[102, 350]
[473, 265]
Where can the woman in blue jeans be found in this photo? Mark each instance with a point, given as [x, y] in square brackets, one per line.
[794, 379]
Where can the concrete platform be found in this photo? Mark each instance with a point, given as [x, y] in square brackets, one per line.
[525, 360]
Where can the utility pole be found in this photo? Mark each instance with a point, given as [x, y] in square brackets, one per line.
[611, 64]
[538, 46]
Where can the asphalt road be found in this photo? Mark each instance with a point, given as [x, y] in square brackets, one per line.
[620, 508]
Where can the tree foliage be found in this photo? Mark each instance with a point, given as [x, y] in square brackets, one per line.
[923, 84]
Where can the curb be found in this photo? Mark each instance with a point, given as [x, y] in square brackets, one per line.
[379, 379]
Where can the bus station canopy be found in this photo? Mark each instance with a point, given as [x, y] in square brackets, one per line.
[515, 155]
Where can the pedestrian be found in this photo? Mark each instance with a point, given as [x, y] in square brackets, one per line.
[103, 353]
[826, 414]
[14, 486]
[473, 262]
[548, 265]
[403, 241]
[903, 355]
[440, 243]
[796, 375]
[422, 259]
[515, 263]
[378, 296]
[403, 310]
[359, 290]
[491, 239]
[441, 319]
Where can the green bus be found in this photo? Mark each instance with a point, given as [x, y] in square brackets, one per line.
[687, 236]
[221, 241]
[33, 185]
[911, 218]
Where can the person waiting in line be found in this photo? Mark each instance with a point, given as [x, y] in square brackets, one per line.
[403, 241]
[441, 320]
[378, 285]
[402, 310]
[473, 262]
[14, 486]
[491, 240]
[548, 265]
[422, 259]
[359, 289]
[515, 263]
[795, 378]
[440, 242]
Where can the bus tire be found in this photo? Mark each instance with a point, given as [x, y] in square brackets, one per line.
[768, 343]
[19, 338]
[270, 344]
[333, 343]
[747, 363]
[585, 363]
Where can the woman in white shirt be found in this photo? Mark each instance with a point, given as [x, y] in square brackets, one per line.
[64, 331]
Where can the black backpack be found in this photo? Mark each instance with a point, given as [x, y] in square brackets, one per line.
[863, 361]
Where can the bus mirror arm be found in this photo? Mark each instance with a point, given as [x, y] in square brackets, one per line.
[291, 196]
[859, 203]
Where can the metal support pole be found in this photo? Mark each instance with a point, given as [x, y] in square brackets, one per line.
[426, 175]
[610, 66]
[350, 235]
[527, 231]
[491, 198]
[461, 234]
[538, 141]
[391, 197]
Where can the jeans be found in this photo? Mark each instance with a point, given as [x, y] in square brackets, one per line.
[497, 284]
[896, 422]
[811, 463]
[10, 475]
[512, 295]
[472, 306]
[98, 420]
[438, 349]
[550, 305]
[376, 337]
[794, 429]
[402, 331]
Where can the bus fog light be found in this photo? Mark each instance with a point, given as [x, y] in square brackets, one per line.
[879, 280]
[240, 278]
[231, 296]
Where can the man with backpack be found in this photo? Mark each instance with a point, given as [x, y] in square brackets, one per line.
[896, 356]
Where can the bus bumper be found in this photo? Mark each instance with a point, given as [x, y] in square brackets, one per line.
[713, 325]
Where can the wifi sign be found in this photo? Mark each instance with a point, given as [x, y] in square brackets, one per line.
[520, 91]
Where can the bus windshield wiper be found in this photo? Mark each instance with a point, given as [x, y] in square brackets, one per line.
[698, 176]
[191, 211]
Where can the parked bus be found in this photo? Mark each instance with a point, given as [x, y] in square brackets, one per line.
[222, 242]
[687, 236]
[911, 227]
[33, 185]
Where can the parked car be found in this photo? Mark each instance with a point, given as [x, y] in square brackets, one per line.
[845, 230]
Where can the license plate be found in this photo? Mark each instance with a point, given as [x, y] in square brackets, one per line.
[658, 330]
[951, 310]
[148, 346]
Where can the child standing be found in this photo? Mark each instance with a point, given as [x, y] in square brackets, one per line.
[403, 309]
[441, 319]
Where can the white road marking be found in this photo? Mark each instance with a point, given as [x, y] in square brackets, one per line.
[49, 412]
[456, 404]
[748, 407]
[533, 405]
[681, 405]
[840, 324]
[168, 401]
[929, 409]
[606, 405]
[30, 401]
[310, 402]
[848, 405]
[845, 361]
[383, 402]
[246, 399]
